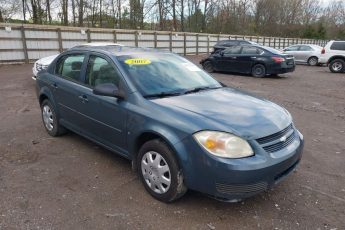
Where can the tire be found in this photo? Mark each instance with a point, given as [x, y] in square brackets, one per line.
[208, 66]
[313, 61]
[156, 181]
[50, 119]
[258, 70]
[337, 66]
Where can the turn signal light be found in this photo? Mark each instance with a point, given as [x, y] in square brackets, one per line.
[323, 51]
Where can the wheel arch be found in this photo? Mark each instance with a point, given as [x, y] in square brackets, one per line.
[336, 57]
[148, 135]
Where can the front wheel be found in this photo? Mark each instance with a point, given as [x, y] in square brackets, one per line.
[208, 66]
[159, 171]
[258, 70]
[50, 119]
[337, 66]
[313, 61]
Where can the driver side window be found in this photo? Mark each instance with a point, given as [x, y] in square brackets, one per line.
[100, 71]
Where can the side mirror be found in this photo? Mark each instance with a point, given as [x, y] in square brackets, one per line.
[108, 89]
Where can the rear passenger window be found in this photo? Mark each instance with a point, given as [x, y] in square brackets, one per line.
[338, 46]
[70, 66]
[250, 50]
[100, 71]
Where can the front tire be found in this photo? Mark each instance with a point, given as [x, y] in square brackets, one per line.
[159, 171]
[313, 61]
[50, 119]
[337, 66]
[259, 70]
[208, 66]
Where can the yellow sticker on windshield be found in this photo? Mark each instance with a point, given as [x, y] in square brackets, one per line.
[138, 61]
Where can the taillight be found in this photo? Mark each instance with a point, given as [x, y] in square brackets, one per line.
[278, 59]
[323, 51]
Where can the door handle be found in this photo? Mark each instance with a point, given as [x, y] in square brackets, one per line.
[233, 57]
[83, 98]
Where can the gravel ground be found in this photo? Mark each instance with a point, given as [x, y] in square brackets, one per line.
[71, 183]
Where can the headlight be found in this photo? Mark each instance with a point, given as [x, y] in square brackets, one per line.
[223, 144]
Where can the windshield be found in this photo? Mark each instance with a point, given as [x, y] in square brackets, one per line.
[159, 73]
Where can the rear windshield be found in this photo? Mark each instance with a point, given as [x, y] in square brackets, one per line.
[273, 51]
[227, 43]
[338, 46]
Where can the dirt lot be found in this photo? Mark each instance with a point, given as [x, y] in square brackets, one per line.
[71, 183]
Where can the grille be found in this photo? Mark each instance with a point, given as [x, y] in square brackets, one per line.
[274, 136]
[241, 188]
[272, 143]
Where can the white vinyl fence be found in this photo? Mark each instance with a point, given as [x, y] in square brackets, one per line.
[27, 43]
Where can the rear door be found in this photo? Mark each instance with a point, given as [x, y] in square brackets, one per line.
[305, 52]
[249, 55]
[66, 86]
[104, 118]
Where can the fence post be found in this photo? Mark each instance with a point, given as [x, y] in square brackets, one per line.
[88, 35]
[136, 38]
[197, 44]
[170, 41]
[115, 36]
[208, 44]
[284, 43]
[155, 39]
[218, 38]
[184, 44]
[269, 41]
[25, 48]
[59, 40]
[274, 42]
[264, 41]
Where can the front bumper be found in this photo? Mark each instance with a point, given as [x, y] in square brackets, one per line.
[233, 179]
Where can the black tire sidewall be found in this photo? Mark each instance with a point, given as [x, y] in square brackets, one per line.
[259, 66]
[54, 132]
[160, 147]
[210, 69]
[337, 71]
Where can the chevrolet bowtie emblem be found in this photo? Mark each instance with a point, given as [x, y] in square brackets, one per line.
[283, 139]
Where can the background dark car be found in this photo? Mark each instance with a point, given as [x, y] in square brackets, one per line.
[222, 45]
[258, 61]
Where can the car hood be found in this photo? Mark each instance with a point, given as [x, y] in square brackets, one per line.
[231, 110]
[47, 60]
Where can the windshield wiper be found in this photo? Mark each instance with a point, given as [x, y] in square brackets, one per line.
[197, 89]
[163, 94]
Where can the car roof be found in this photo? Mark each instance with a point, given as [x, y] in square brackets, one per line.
[116, 50]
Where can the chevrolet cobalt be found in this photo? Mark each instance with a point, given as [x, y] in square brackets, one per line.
[180, 127]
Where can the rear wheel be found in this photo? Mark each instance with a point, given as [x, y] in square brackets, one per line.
[337, 66]
[258, 70]
[313, 61]
[208, 66]
[160, 172]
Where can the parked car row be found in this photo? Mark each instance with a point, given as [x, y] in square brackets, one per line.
[242, 56]
[256, 60]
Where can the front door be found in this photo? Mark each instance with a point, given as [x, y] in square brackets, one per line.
[228, 59]
[104, 118]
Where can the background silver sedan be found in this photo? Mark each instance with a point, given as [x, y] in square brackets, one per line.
[304, 53]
